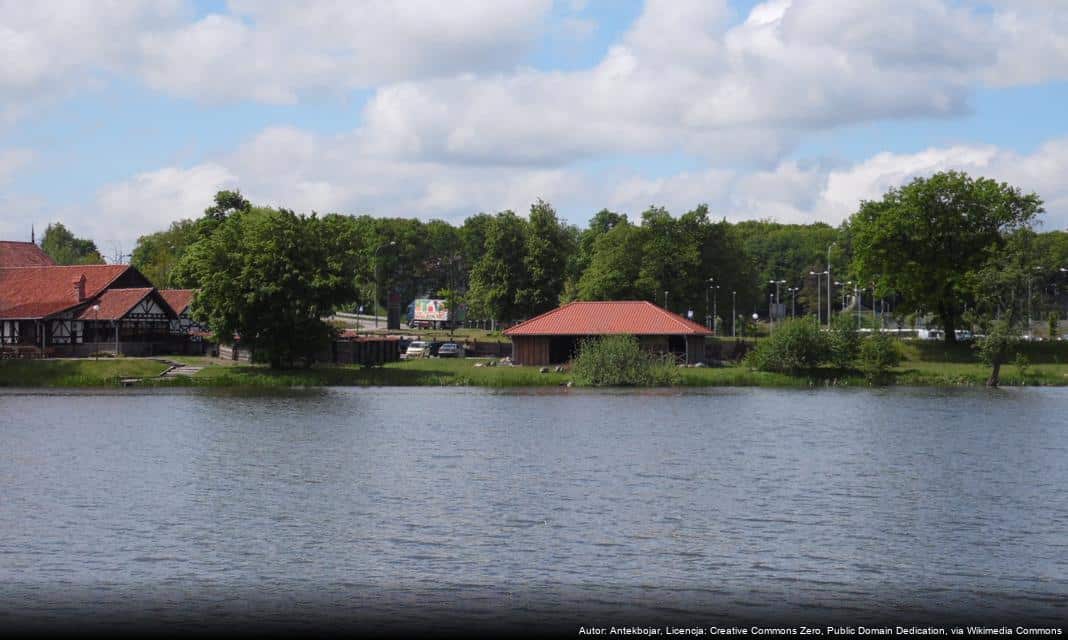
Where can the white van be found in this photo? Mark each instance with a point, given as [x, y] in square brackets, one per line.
[416, 349]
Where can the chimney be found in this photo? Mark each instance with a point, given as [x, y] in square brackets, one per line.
[79, 288]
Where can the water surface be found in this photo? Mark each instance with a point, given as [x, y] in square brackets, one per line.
[447, 506]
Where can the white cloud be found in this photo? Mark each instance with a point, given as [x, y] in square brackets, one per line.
[150, 201]
[12, 161]
[272, 51]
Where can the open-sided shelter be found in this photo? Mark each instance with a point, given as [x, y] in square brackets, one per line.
[554, 337]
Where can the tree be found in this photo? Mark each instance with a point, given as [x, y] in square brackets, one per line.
[500, 272]
[924, 240]
[615, 265]
[226, 203]
[269, 276]
[547, 247]
[62, 246]
[157, 254]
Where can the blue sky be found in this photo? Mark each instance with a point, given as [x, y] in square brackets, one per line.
[120, 119]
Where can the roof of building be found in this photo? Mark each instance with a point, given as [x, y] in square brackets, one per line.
[114, 304]
[628, 317]
[38, 292]
[23, 254]
[178, 299]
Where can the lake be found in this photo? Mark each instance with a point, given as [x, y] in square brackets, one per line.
[467, 508]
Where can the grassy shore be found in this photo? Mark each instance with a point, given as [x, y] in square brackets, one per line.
[925, 364]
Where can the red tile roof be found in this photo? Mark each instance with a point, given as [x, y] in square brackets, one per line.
[178, 299]
[36, 292]
[114, 304]
[631, 317]
[22, 254]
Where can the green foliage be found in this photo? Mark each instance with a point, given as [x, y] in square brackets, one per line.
[843, 341]
[926, 239]
[613, 268]
[226, 203]
[794, 347]
[620, 361]
[156, 255]
[63, 247]
[269, 276]
[500, 273]
[547, 248]
[878, 354]
[1022, 364]
[1053, 320]
[997, 347]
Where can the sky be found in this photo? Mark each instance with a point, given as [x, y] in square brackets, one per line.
[118, 117]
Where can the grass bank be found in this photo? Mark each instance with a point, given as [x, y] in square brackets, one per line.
[76, 373]
[923, 366]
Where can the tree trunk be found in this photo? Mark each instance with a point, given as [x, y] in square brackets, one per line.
[995, 376]
[949, 324]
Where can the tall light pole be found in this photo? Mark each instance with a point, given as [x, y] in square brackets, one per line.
[374, 302]
[776, 283]
[665, 300]
[771, 317]
[715, 307]
[843, 285]
[734, 314]
[829, 283]
[709, 319]
[793, 303]
[819, 293]
[96, 331]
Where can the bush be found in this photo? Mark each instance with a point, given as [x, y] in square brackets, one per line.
[795, 346]
[843, 341]
[620, 361]
[878, 354]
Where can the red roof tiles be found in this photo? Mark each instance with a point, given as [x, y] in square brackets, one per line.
[114, 304]
[22, 254]
[629, 317]
[178, 299]
[36, 292]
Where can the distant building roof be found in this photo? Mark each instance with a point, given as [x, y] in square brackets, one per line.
[37, 292]
[628, 317]
[178, 299]
[114, 304]
[23, 254]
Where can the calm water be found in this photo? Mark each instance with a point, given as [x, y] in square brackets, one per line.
[443, 506]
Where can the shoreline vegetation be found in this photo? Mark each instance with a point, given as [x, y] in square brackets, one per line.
[923, 364]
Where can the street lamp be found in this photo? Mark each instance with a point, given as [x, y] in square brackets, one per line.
[829, 283]
[734, 314]
[819, 294]
[96, 329]
[708, 318]
[771, 316]
[793, 307]
[665, 300]
[843, 285]
[374, 303]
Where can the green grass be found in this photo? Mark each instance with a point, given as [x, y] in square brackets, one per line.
[925, 364]
[75, 373]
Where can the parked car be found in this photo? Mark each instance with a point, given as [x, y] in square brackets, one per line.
[450, 350]
[416, 349]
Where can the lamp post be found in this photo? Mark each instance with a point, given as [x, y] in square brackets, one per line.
[829, 283]
[665, 300]
[843, 285]
[708, 318]
[715, 307]
[96, 329]
[374, 302]
[734, 314]
[819, 293]
[793, 303]
[771, 316]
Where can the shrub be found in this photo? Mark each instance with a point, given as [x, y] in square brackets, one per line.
[878, 354]
[843, 341]
[1000, 343]
[620, 361]
[1053, 321]
[795, 346]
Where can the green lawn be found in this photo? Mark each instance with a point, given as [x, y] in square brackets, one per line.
[926, 364]
[75, 373]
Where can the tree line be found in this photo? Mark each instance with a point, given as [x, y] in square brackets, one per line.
[962, 252]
